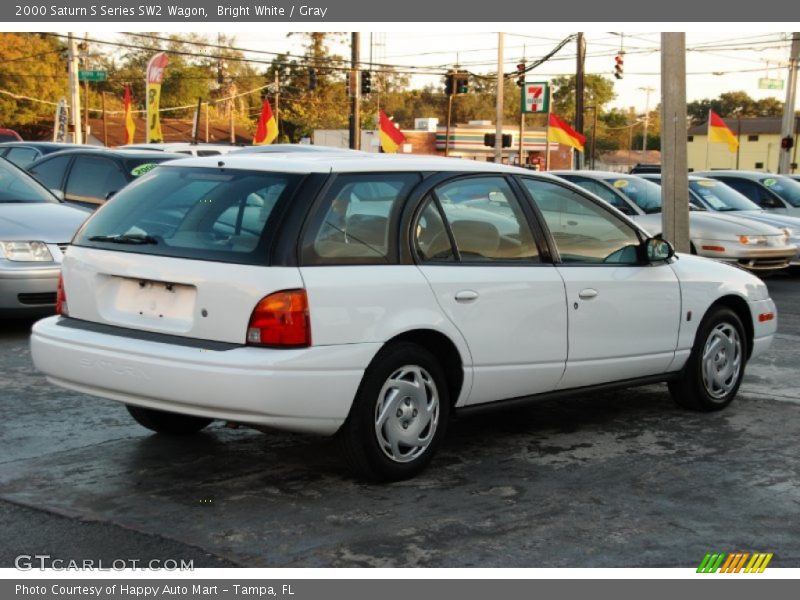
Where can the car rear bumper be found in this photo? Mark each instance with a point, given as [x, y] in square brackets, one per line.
[307, 389]
[28, 288]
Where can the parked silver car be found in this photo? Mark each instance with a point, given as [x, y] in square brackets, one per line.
[772, 192]
[35, 230]
[752, 245]
[716, 196]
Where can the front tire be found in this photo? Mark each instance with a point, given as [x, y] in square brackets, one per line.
[167, 422]
[711, 377]
[399, 415]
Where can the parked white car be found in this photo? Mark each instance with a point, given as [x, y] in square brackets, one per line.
[185, 148]
[371, 298]
[750, 244]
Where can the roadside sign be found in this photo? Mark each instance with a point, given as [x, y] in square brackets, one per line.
[92, 76]
[535, 97]
[765, 83]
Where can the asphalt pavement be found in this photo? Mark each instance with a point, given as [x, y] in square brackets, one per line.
[620, 479]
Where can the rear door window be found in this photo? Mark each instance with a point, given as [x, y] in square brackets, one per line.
[212, 214]
[50, 172]
[93, 179]
[22, 157]
[355, 221]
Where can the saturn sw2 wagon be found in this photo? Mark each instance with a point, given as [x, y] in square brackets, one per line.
[371, 297]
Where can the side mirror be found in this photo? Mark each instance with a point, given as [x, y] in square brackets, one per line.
[658, 250]
[58, 194]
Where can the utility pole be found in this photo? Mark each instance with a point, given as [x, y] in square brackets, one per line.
[647, 91]
[277, 101]
[85, 59]
[580, 88]
[674, 170]
[74, 90]
[787, 124]
[498, 130]
[355, 92]
[105, 125]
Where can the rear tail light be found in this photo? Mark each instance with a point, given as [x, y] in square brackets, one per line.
[282, 320]
[61, 298]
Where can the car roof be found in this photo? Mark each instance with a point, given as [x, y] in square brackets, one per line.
[598, 174]
[338, 162]
[114, 152]
[294, 148]
[39, 145]
[734, 173]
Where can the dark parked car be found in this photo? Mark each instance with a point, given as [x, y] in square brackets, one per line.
[89, 177]
[23, 154]
[640, 168]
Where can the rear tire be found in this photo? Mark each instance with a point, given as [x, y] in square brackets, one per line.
[167, 422]
[711, 377]
[399, 415]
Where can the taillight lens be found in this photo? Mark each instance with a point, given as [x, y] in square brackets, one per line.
[281, 319]
[61, 298]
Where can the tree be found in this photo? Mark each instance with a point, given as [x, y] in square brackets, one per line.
[34, 66]
[729, 104]
[598, 91]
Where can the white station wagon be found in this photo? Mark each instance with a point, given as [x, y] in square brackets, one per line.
[372, 297]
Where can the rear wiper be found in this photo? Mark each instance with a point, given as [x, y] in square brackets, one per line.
[125, 238]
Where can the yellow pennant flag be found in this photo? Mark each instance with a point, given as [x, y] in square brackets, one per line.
[155, 75]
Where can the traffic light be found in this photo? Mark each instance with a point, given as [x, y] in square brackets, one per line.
[366, 82]
[520, 74]
[449, 83]
[787, 143]
[462, 82]
[619, 63]
[312, 79]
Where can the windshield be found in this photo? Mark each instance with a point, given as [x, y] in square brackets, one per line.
[211, 214]
[16, 186]
[718, 196]
[785, 187]
[645, 194]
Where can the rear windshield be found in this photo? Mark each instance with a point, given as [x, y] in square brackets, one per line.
[17, 186]
[210, 214]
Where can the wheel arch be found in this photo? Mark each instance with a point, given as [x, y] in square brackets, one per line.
[445, 351]
[739, 306]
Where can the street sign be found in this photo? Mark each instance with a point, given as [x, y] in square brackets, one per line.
[535, 97]
[92, 76]
[765, 83]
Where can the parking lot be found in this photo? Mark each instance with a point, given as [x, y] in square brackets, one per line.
[621, 479]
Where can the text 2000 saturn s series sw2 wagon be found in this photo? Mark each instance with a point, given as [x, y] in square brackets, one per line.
[370, 297]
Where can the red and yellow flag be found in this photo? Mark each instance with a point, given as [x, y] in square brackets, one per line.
[391, 136]
[560, 132]
[719, 132]
[267, 129]
[130, 126]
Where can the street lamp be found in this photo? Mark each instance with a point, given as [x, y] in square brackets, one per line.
[738, 112]
[593, 145]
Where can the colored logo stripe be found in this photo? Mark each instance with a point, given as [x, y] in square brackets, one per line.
[734, 562]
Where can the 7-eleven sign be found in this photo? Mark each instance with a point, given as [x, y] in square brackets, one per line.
[535, 97]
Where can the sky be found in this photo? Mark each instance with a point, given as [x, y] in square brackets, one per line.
[716, 62]
[740, 59]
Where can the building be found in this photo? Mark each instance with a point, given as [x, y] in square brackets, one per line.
[759, 146]
[462, 141]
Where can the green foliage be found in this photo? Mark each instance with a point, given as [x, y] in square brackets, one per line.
[30, 65]
[598, 91]
[728, 104]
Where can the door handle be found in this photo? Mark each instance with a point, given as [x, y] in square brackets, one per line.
[588, 294]
[466, 296]
[573, 223]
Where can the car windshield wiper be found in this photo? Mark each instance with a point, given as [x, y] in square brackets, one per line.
[125, 238]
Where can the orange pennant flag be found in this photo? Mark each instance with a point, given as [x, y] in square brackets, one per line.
[391, 136]
[267, 129]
